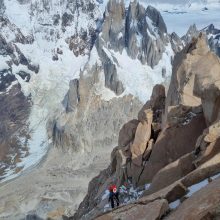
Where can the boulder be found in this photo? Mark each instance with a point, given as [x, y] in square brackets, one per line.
[207, 86]
[200, 205]
[195, 79]
[213, 133]
[152, 211]
[204, 171]
[142, 136]
[171, 193]
[181, 90]
[25, 76]
[34, 67]
[207, 151]
[72, 98]
[172, 172]
[171, 145]
[127, 133]
[156, 103]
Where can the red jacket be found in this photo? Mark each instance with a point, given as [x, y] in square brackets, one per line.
[113, 188]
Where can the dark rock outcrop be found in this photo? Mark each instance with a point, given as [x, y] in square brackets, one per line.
[141, 32]
[15, 110]
[110, 70]
[213, 38]
[192, 32]
[15, 106]
[10, 48]
[72, 97]
[176, 42]
[2, 7]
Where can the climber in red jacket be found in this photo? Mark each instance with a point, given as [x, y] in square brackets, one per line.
[113, 195]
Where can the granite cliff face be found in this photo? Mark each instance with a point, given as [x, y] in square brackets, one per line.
[173, 147]
[142, 32]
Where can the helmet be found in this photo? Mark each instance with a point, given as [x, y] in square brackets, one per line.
[112, 188]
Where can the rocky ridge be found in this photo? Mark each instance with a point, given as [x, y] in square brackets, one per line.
[173, 146]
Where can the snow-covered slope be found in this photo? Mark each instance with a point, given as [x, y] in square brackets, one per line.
[54, 28]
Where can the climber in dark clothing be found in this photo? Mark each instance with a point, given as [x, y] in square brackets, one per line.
[113, 195]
